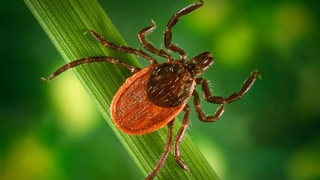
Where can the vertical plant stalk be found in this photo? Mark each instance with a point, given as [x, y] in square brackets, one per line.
[65, 23]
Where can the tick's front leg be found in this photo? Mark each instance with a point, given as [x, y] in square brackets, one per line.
[121, 48]
[148, 46]
[173, 21]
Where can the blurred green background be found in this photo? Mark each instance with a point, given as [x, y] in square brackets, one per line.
[53, 131]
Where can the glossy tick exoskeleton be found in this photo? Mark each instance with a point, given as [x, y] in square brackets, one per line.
[152, 97]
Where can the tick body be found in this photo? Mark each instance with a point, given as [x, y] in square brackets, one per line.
[153, 96]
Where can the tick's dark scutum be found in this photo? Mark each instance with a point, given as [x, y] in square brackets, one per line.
[169, 85]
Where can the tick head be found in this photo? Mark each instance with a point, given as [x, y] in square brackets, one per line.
[198, 64]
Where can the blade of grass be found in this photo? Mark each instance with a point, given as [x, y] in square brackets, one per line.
[65, 22]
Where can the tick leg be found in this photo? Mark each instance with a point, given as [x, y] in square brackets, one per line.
[120, 48]
[220, 100]
[179, 137]
[245, 87]
[200, 113]
[142, 38]
[165, 153]
[168, 34]
[90, 60]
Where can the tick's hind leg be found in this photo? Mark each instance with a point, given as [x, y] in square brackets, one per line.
[148, 46]
[164, 154]
[220, 100]
[179, 137]
[171, 23]
[120, 48]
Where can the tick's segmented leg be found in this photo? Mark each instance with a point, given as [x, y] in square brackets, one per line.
[142, 38]
[220, 100]
[179, 137]
[171, 23]
[165, 153]
[200, 113]
[78, 62]
[121, 48]
[245, 87]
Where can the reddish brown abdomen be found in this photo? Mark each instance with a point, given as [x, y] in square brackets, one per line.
[133, 112]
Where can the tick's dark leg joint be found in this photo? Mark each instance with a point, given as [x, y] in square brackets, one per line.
[207, 94]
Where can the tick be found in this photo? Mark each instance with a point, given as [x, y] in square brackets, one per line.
[153, 96]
